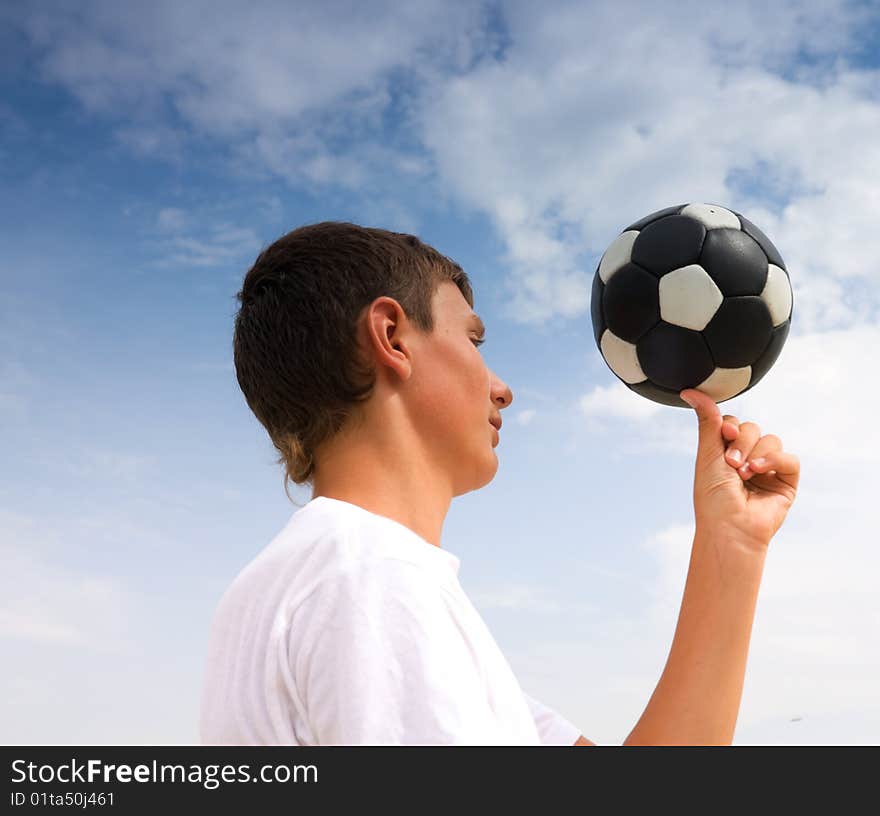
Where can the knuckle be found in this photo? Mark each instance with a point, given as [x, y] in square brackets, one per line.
[775, 440]
[751, 427]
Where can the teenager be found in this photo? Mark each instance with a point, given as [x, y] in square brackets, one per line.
[357, 349]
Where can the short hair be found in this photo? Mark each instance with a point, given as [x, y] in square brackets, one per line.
[295, 338]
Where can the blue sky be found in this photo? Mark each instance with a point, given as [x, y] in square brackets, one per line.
[148, 153]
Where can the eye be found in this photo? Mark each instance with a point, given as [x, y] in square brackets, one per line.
[477, 342]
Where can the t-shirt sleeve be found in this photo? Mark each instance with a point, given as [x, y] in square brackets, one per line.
[553, 728]
[379, 659]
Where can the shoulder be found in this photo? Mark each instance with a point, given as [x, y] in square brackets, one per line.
[327, 544]
[355, 549]
[376, 594]
[339, 567]
[376, 586]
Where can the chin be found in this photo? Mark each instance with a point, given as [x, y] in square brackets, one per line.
[482, 475]
[489, 472]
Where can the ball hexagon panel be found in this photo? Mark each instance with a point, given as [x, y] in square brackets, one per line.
[689, 297]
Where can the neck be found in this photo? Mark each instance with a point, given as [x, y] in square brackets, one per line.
[388, 473]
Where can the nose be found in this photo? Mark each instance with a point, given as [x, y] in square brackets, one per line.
[502, 396]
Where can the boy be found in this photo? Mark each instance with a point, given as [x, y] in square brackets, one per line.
[356, 348]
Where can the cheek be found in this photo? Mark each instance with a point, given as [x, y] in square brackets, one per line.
[463, 398]
[479, 377]
[459, 384]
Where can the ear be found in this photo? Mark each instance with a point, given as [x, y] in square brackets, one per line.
[388, 336]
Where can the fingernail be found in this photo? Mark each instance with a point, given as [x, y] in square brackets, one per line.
[735, 456]
[688, 400]
[760, 462]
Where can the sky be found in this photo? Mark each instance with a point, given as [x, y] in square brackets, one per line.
[148, 152]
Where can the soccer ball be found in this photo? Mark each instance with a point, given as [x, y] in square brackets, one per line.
[693, 296]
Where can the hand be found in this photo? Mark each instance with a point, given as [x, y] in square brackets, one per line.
[746, 498]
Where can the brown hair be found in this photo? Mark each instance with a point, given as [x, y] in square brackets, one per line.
[295, 338]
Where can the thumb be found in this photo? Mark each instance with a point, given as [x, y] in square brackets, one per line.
[711, 443]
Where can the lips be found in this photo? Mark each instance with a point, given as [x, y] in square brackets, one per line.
[495, 422]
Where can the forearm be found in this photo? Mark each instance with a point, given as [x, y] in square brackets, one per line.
[697, 699]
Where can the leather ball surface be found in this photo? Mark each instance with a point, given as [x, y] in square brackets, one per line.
[692, 296]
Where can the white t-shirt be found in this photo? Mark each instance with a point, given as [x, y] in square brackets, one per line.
[351, 629]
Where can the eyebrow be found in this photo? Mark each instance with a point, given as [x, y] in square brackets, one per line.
[476, 321]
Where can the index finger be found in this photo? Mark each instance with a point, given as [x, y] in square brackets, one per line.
[729, 427]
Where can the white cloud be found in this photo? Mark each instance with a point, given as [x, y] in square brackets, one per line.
[153, 140]
[525, 417]
[272, 209]
[821, 399]
[87, 462]
[172, 219]
[615, 402]
[99, 658]
[562, 140]
[521, 597]
[48, 603]
[569, 139]
[818, 398]
[222, 245]
[282, 82]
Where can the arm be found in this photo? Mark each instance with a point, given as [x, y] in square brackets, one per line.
[738, 510]
[697, 699]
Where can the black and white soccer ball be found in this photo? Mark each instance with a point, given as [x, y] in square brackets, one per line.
[693, 296]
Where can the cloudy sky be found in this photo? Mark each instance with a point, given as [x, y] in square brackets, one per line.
[149, 151]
